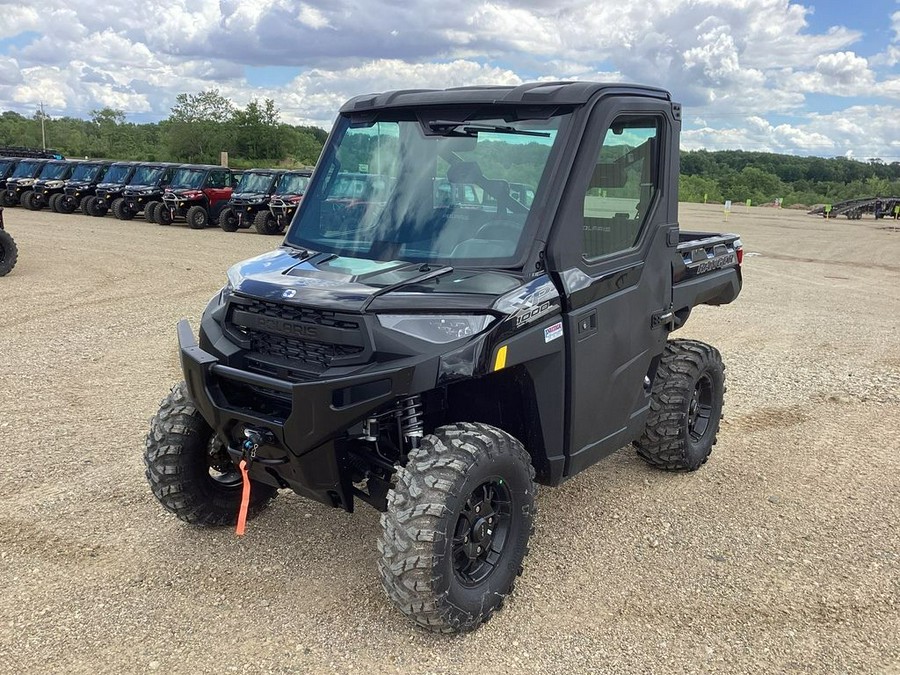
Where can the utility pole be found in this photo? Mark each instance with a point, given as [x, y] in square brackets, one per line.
[43, 133]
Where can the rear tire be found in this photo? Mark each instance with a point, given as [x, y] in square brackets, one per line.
[457, 525]
[9, 253]
[54, 202]
[228, 220]
[197, 217]
[188, 470]
[84, 204]
[685, 407]
[265, 223]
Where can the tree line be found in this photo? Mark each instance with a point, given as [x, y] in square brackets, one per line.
[202, 125]
[198, 128]
[762, 177]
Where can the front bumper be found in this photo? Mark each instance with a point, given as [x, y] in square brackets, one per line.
[301, 451]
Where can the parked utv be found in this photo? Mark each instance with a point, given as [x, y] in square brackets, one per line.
[438, 362]
[251, 196]
[21, 181]
[198, 194]
[117, 178]
[50, 185]
[144, 193]
[7, 167]
[8, 251]
[288, 192]
[81, 187]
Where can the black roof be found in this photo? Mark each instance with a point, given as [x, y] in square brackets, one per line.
[533, 93]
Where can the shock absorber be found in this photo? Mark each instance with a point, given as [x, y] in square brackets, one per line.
[412, 424]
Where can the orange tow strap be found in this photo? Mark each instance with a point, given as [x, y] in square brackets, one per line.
[245, 500]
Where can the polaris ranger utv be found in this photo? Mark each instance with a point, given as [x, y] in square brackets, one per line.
[80, 187]
[251, 196]
[198, 194]
[439, 362]
[288, 193]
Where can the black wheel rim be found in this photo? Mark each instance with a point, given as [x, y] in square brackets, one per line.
[700, 408]
[481, 532]
[221, 470]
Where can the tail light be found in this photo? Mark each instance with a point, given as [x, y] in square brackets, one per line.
[293, 199]
[739, 251]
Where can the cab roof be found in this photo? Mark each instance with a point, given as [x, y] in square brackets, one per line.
[533, 93]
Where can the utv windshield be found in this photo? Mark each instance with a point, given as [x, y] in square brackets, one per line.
[147, 175]
[255, 182]
[86, 172]
[27, 169]
[4, 166]
[188, 178]
[116, 173]
[53, 170]
[292, 184]
[428, 189]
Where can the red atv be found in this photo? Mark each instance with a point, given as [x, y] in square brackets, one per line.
[197, 194]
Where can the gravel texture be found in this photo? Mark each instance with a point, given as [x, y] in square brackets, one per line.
[782, 554]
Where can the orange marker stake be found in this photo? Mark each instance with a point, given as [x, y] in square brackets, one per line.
[245, 500]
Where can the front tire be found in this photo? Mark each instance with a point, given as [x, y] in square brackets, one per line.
[265, 223]
[54, 202]
[456, 529]
[7, 198]
[27, 200]
[228, 220]
[189, 471]
[163, 215]
[120, 210]
[150, 211]
[66, 204]
[685, 407]
[9, 253]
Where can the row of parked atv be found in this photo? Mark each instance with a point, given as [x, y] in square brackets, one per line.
[200, 195]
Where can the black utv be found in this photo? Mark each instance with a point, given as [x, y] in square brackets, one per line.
[117, 178]
[438, 362]
[21, 181]
[50, 185]
[8, 251]
[251, 196]
[81, 186]
[7, 167]
[289, 191]
[198, 194]
[144, 192]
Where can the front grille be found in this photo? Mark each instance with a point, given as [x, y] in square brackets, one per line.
[293, 357]
[300, 314]
[316, 356]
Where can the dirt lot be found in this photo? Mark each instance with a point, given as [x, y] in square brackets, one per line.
[782, 554]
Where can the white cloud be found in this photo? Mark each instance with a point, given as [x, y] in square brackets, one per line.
[726, 60]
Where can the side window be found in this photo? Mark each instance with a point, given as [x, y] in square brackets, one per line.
[216, 179]
[623, 185]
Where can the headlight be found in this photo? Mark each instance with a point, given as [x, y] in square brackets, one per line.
[436, 329]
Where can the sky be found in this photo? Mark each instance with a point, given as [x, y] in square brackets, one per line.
[810, 78]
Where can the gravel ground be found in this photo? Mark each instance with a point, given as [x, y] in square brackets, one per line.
[781, 555]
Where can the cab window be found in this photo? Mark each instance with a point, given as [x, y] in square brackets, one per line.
[623, 186]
